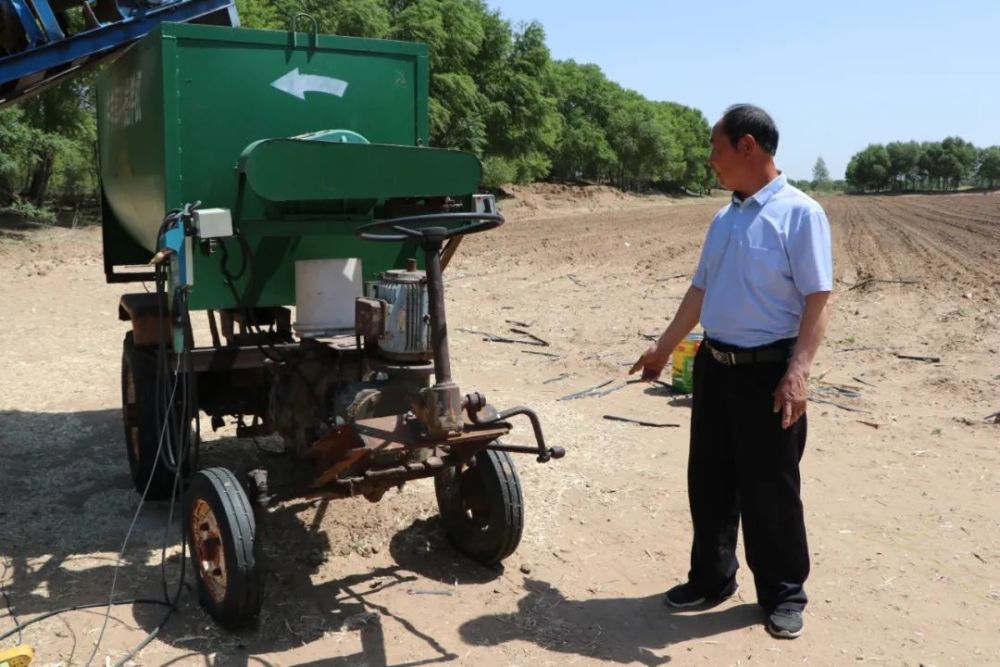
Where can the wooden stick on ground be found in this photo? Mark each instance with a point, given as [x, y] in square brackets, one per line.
[543, 354]
[585, 392]
[869, 281]
[540, 341]
[933, 360]
[494, 338]
[639, 422]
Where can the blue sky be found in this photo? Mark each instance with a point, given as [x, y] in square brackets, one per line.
[836, 76]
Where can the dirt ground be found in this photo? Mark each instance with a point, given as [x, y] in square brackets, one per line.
[901, 477]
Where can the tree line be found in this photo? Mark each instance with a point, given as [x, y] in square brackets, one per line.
[929, 165]
[495, 91]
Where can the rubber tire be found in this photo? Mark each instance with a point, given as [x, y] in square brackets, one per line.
[221, 489]
[502, 490]
[142, 364]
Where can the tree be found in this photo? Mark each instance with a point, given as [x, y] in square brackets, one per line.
[526, 123]
[16, 141]
[988, 171]
[584, 99]
[904, 160]
[960, 157]
[821, 175]
[870, 169]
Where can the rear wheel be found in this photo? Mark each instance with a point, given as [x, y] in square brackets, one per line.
[482, 506]
[143, 429]
[225, 550]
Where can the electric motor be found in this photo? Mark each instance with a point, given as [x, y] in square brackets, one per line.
[407, 335]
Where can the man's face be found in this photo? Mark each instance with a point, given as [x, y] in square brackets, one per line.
[726, 160]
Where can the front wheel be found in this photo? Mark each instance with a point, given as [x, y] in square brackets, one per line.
[482, 506]
[225, 549]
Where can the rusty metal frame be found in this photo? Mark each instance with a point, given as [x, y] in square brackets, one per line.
[372, 455]
[143, 311]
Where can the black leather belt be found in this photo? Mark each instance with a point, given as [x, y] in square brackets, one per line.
[778, 352]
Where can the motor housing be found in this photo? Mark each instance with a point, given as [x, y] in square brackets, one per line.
[406, 335]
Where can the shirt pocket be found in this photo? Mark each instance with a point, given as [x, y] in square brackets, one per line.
[766, 269]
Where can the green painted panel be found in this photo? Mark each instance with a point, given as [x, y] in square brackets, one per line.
[227, 97]
[270, 280]
[337, 171]
[178, 109]
[131, 148]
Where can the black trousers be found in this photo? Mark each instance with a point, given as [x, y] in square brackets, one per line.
[743, 465]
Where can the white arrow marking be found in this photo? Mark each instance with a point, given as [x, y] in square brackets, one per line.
[298, 84]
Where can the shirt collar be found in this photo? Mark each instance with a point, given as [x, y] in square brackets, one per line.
[763, 195]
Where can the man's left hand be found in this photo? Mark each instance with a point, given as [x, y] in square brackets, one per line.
[791, 395]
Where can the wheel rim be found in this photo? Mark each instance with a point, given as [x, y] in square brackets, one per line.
[129, 408]
[209, 553]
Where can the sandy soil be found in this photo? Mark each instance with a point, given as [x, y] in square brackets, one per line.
[901, 477]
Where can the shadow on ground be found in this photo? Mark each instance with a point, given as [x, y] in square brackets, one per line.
[620, 630]
[66, 501]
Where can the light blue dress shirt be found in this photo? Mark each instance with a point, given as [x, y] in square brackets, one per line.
[762, 256]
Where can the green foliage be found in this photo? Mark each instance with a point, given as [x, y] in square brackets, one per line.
[354, 18]
[48, 144]
[261, 14]
[821, 174]
[494, 91]
[988, 170]
[932, 165]
[29, 211]
[870, 169]
[498, 171]
[17, 139]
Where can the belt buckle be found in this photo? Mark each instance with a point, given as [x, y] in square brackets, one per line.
[723, 357]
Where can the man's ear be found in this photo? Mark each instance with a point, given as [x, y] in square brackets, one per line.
[747, 144]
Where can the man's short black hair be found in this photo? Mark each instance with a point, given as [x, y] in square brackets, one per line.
[743, 119]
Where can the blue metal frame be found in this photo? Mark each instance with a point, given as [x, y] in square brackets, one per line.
[56, 56]
[32, 32]
[48, 19]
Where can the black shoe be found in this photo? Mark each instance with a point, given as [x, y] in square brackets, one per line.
[785, 623]
[687, 595]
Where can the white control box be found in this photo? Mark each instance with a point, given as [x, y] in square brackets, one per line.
[213, 223]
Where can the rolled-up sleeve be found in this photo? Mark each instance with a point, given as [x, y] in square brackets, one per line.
[809, 253]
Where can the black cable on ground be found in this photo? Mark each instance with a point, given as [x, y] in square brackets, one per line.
[10, 608]
[184, 447]
[78, 607]
[176, 447]
[164, 415]
[164, 435]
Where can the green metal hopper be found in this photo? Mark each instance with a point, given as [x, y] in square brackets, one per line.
[230, 117]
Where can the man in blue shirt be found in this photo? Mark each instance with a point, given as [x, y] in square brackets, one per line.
[761, 293]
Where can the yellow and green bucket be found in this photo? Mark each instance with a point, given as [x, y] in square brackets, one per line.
[683, 362]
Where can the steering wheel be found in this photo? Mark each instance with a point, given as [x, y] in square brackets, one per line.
[416, 226]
